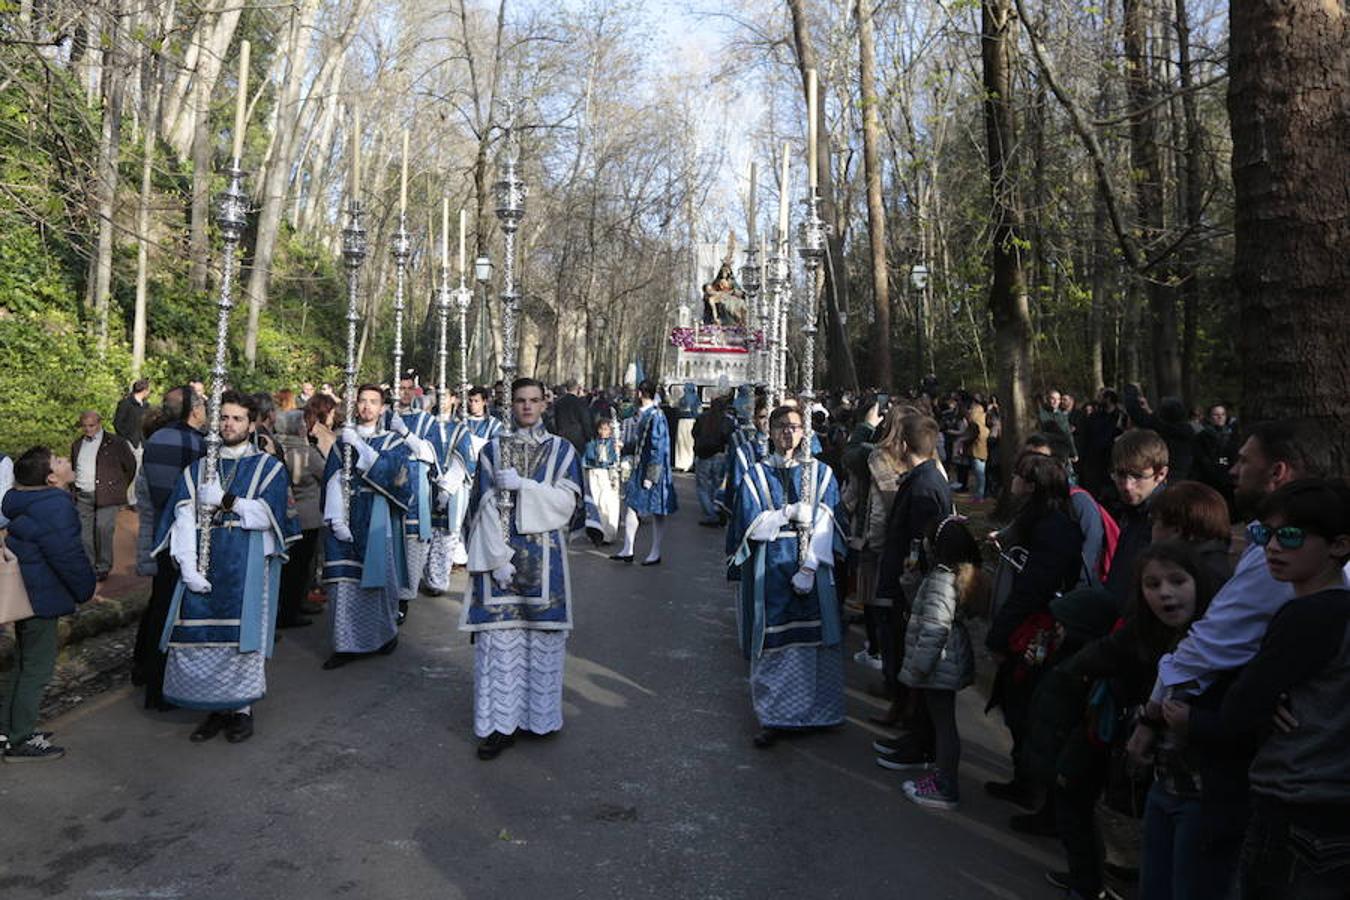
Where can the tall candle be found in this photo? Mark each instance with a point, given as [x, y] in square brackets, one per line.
[812, 112]
[403, 179]
[754, 177]
[356, 155]
[783, 197]
[445, 232]
[241, 103]
[462, 272]
[763, 260]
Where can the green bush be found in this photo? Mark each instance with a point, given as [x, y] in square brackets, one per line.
[49, 374]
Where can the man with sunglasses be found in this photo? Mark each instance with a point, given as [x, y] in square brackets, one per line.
[1230, 633]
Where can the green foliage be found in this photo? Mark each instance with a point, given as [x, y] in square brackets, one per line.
[50, 376]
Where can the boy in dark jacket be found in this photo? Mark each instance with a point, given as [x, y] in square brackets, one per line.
[44, 533]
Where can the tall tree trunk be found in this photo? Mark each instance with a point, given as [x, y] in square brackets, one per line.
[1007, 294]
[273, 198]
[203, 152]
[1193, 190]
[840, 370]
[155, 79]
[1287, 102]
[1150, 201]
[210, 43]
[109, 141]
[876, 205]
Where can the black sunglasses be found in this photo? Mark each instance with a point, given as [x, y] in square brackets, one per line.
[1290, 537]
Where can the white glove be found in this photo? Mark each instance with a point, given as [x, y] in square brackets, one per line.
[211, 494]
[803, 581]
[397, 425]
[351, 436]
[193, 581]
[646, 485]
[341, 531]
[503, 575]
[508, 479]
[798, 513]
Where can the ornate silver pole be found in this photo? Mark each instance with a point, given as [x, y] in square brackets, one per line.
[812, 234]
[442, 348]
[232, 217]
[511, 193]
[463, 296]
[750, 280]
[782, 287]
[354, 254]
[401, 248]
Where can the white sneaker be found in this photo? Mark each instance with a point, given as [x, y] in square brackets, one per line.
[863, 658]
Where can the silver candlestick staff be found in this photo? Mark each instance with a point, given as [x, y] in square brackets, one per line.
[812, 234]
[232, 217]
[781, 281]
[354, 255]
[463, 296]
[511, 191]
[750, 281]
[442, 348]
[401, 249]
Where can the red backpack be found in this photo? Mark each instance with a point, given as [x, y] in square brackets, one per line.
[1110, 536]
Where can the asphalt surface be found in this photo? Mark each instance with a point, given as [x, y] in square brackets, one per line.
[362, 782]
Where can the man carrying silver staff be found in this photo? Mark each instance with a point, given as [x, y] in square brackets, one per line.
[220, 624]
[417, 522]
[456, 464]
[364, 562]
[786, 542]
[518, 605]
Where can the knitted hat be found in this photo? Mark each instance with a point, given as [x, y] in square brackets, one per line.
[1085, 613]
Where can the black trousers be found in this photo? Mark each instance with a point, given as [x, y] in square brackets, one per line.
[1076, 819]
[148, 660]
[295, 576]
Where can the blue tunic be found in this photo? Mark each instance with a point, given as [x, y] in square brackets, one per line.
[380, 497]
[217, 641]
[773, 614]
[748, 447]
[651, 462]
[451, 441]
[539, 595]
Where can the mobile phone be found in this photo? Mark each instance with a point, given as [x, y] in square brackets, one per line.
[883, 402]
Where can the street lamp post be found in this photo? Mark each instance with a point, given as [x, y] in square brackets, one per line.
[918, 279]
[482, 273]
[511, 191]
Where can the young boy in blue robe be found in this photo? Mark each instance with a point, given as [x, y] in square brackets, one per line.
[221, 622]
[408, 418]
[364, 562]
[651, 486]
[601, 465]
[451, 441]
[786, 542]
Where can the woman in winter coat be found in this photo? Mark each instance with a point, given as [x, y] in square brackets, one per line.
[1047, 544]
[939, 659]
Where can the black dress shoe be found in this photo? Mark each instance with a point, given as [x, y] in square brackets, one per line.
[491, 746]
[240, 728]
[765, 737]
[433, 592]
[213, 725]
[338, 660]
[1012, 791]
[652, 562]
[1040, 823]
[311, 609]
[297, 622]
[390, 647]
[619, 557]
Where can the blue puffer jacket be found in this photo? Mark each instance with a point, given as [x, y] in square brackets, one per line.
[44, 533]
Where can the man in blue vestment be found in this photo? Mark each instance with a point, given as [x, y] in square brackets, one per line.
[456, 464]
[364, 563]
[416, 427]
[651, 485]
[518, 605]
[786, 542]
[220, 624]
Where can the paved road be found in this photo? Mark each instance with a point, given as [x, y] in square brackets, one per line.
[363, 783]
